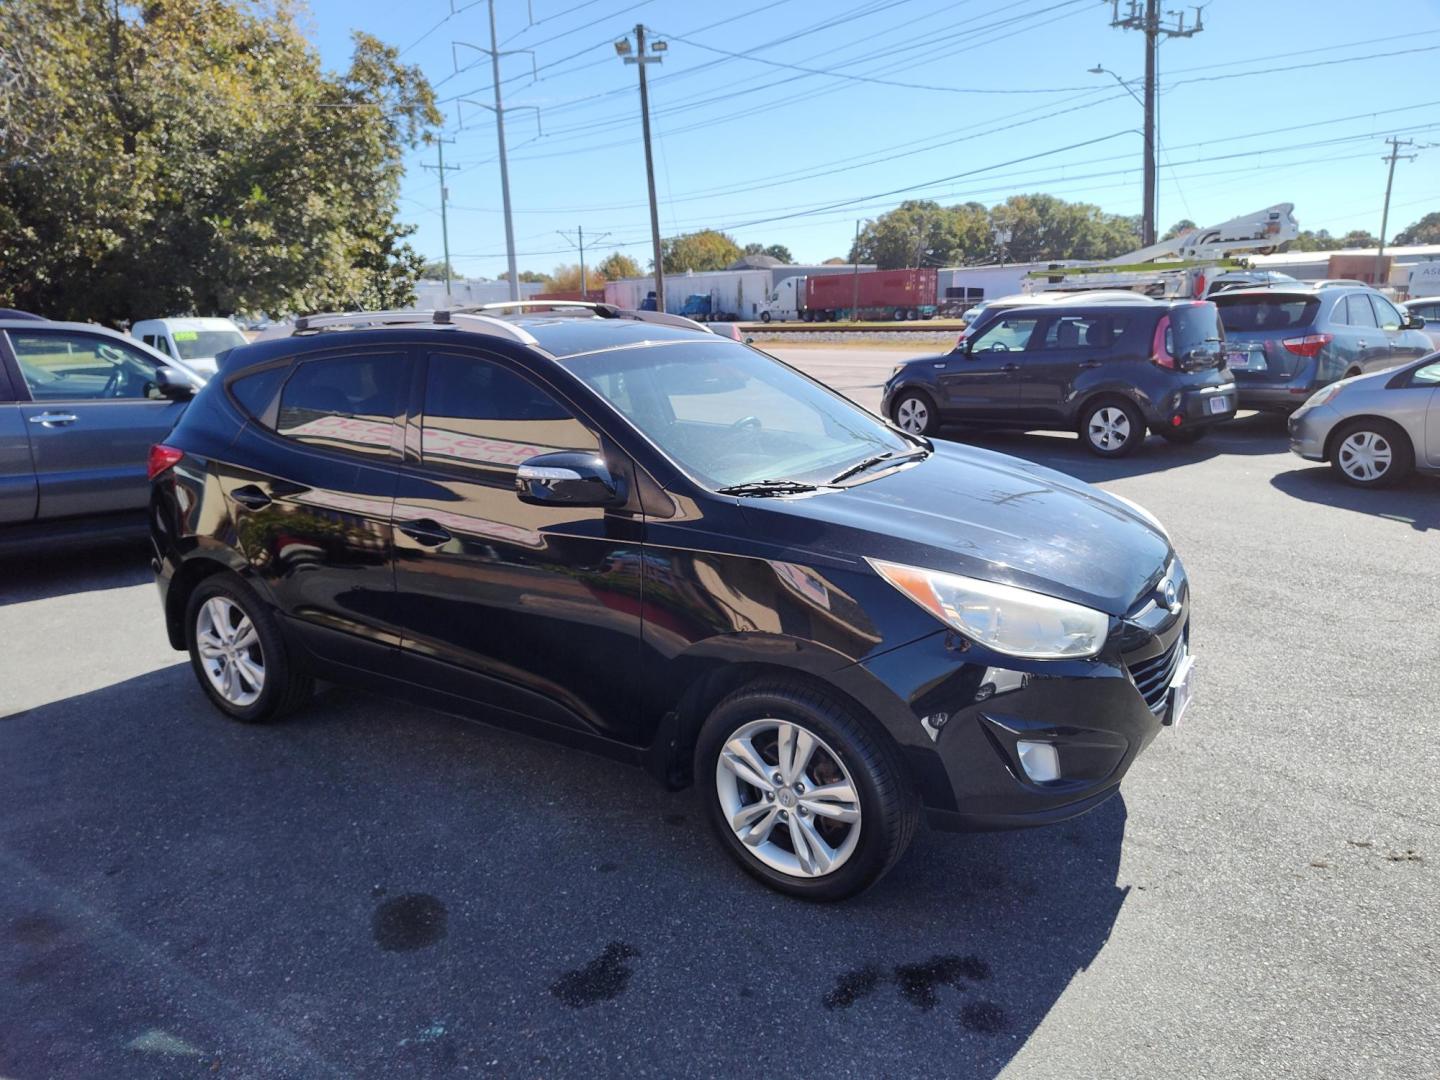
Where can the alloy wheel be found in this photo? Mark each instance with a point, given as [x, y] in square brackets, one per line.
[788, 798]
[912, 415]
[1366, 456]
[1109, 428]
[230, 652]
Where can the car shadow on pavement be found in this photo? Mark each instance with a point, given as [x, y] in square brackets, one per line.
[41, 575]
[1251, 435]
[1414, 501]
[375, 889]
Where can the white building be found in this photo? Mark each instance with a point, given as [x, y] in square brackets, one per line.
[968, 285]
[737, 291]
[1350, 263]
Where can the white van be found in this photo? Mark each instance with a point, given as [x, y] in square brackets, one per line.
[195, 341]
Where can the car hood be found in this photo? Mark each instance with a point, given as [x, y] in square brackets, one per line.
[986, 515]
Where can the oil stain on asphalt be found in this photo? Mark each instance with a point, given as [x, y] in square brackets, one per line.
[602, 979]
[409, 922]
[919, 984]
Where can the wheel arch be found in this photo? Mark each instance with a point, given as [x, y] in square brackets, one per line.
[192, 572]
[704, 676]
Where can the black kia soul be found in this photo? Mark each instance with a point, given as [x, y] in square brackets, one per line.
[641, 539]
[1110, 371]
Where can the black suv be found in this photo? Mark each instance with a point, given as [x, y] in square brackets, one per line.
[642, 539]
[1109, 370]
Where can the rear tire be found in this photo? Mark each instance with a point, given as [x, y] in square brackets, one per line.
[239, 654]
[1112, 427]
[825, 848]
[764, 316]
[914, 412]
[1372, 453]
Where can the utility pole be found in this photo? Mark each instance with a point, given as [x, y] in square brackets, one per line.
[1144, 15]
[1395, 143]
[499, 110]
[641, 59]
[580, 243]
[440, 142]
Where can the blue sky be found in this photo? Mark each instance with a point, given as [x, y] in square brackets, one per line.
[1277, 100]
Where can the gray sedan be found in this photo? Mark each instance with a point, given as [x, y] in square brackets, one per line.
[1374, 429]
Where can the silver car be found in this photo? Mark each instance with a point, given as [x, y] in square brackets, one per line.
[1374, 429]
[1427, 308]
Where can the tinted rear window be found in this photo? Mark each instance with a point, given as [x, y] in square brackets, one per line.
[1194, 326]
[347, 403]
[1247, 314]
[255, 392]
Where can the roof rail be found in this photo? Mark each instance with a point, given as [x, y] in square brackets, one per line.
[604, 311]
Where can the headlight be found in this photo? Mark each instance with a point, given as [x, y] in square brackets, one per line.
[1322, 396]
[896, 370]
[1146, 514]
[1013, 621]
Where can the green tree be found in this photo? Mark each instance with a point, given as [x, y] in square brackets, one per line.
[1316, 240]
[617, 265]
[1044, 228]
[775, 251]
[920, 232]
[1359, 238]
[529, 277]
[1184, 225]
[703, 250]
[193, 156]
[1424, 231]
[434, 270]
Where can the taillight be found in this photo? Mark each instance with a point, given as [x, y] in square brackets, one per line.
[1308, 345]
[162, 457]
[1160, 351]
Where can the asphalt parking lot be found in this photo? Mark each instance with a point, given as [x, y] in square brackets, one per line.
[370, 889]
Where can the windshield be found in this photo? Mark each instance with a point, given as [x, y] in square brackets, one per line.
[729, 415]
[203, 344]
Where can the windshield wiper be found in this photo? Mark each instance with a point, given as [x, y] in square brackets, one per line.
[769, 487]
[889, 457]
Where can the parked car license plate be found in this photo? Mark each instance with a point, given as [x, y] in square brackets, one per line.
[1237, 358]
[1181, 689]
[1219, 404]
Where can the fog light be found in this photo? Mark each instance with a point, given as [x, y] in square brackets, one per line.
[1039, 760]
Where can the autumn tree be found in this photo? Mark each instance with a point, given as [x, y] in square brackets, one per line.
[194, 156]
[698, 251]
[617, 265]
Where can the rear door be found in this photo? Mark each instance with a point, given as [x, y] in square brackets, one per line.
[17, 473]
[982, 382]
[94, 412]
[1358, 340]
[1075, 348]
[534, 609]
[311, 504]
[1404, 345]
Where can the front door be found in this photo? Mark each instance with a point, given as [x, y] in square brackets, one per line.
[982, 382]
[1404, 345]
[531, 609]
[93, 414]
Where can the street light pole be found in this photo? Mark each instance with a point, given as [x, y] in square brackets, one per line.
[641, 60]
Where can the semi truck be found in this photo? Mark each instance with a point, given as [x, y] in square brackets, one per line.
[873, 294]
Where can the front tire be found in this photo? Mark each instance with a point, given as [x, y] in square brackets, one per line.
[238, 653]
[1112, 427]
[804, 795]
[764, 316]
[914, 412]
[1372, 453]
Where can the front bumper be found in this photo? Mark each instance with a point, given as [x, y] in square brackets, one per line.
[960, 717]
[1310, 430]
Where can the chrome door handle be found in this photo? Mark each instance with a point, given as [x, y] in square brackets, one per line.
[57, 419]
[1089, 363]
[1010, 367]
[251, 497]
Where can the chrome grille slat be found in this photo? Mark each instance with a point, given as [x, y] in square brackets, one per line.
[1152, 675]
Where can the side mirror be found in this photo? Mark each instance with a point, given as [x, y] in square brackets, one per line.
[1415, 322]
[567, 478]
[171, 384]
